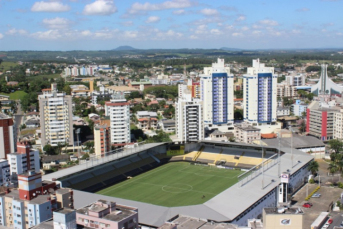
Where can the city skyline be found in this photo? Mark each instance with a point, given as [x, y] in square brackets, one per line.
[107, 24]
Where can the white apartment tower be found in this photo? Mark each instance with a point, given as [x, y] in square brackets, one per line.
[216, 86]
[189, 118]
[56, 117]
[119, 111]
[260, 94]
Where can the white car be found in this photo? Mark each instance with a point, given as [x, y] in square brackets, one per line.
[325, 226]
[316, 195]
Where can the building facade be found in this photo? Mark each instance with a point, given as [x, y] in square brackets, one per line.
[216, 86]
[107, 214]
[146, 120]
[189, 119]
[56, 117]
[286, 91]
[102, 140]
[8, 135]
[338, 125]
[119, 111]
[260, 94]
[320, 121]
[297, 80]
[299, 108]
[246, 133]
[23, 160]
[5, 172]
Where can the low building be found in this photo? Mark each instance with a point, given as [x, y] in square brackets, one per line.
[12, 83]
[246, 133]
[280, 218]
[286, 91]
[107, 214]
[217, 135]
[79, 90]
[299, 108]
[167, 125]
[122, 89]
[283, 111]
[32, 123]
[146, 120]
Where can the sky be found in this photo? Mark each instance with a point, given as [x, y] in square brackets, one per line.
[170, 24]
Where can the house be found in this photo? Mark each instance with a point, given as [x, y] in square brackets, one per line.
[146, 120]
[32, 123]
[12, 83]
[167, 125]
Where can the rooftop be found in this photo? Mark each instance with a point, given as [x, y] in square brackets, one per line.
[247, 127]
[3, 116]
[277, 211]
[298, 142]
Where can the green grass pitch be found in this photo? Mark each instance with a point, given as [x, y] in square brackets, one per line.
[175, 184]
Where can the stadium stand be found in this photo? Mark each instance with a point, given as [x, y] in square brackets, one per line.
[197, 155]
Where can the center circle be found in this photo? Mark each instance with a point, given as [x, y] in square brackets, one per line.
[177, 188]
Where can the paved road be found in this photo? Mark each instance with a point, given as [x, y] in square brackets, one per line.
[337, 220]
[18, 117]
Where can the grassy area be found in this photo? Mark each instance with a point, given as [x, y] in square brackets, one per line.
[16, 95]
[28, 131]
[7, 65]
[175, 184]
[41, 77]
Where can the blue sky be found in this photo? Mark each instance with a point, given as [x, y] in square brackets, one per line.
[107, 24]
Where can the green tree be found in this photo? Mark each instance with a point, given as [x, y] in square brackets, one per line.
[85, 156]
[67, 89]
[302, 127]
[313, 167]
[49, 149]
[336, 145]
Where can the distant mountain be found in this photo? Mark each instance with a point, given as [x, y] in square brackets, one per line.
[125, 48]
[230, 49]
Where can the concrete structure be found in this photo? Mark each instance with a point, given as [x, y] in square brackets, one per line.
[119, 111]
[280, 218]
[286, 91]
[5, 172]
[56, 117]
[320, 121]
[295, 80]
[146, 120]
[283, 111]
[64, 218]
[167, 125]
[32, 203]
[299, 108]
[216, 86]
[260, 95]
[107, 214]
[23, 160]
[246, 133]
[189, 119]
[193, 87]
[102, 140]
[80, 90]
[325, 85]
[8, 135]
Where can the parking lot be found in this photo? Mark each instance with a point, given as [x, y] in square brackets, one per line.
[328, 195]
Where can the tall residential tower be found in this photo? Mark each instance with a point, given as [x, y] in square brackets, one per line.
[56, 117]
[216, 86]
[260, 95]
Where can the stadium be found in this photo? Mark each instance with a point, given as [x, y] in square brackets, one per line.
[216, 181]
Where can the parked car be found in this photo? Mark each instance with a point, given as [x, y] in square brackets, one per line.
[329, 221]
[325, 226]
[316, 195]
[307, 205]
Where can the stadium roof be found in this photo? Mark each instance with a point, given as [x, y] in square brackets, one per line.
[224, 207]
[298, 142]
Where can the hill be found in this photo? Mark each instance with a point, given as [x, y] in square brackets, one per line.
[125, 48]
[230, 49]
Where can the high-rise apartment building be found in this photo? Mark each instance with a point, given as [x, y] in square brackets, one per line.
[56, 117]
[216, 86]
[5, 172]
[295, 80]
[189, 118]
[119, 111]
[23, 160]
[260, 94]
[8, 135]
[193, 87]
[338, 125]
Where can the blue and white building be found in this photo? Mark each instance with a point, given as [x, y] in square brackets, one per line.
[260, 95]
[216, 86]
[299, 107]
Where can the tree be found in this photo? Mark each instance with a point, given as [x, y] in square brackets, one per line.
[67, 89]
[49, 149]
[302, 127]
[336, 145]
[85, 156]
[313, 167]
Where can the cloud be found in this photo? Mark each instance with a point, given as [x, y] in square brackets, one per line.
[1, 36]
[237, 34]
[49, 7]
[269, 22]
[209, 12]
[216, 31]
[228, 8]
[241, 18]
[152, 19]
[127, 23]
[16, 31]
[100, 7]
[56, 23]
[328, 24]
[173, 4]
[179, 12]
[303, 9]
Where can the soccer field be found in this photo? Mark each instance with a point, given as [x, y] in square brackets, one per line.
[175, 184]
